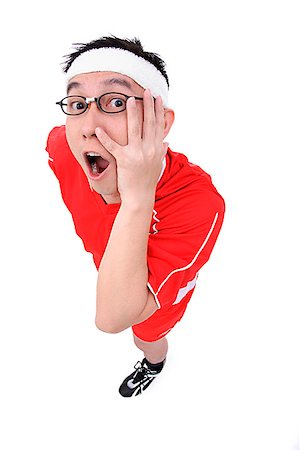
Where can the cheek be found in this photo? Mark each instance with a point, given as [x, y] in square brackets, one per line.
[72, 139]
[70, 133]
[119, 134]
[117, 131]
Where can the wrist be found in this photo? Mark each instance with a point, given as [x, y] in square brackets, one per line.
[143, 201]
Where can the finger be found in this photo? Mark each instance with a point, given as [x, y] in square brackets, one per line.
[160, 119]
[149, 117]
[133, 123]
[109, 144]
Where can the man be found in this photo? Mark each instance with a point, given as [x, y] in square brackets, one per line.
[149, 216]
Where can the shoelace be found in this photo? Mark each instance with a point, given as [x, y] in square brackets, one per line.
[142, 372]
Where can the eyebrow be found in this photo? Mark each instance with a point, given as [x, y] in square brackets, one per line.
[119, 81]
[110, 81]
[73, 84]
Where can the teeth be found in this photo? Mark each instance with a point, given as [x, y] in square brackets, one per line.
[93, 154]
[94, 168]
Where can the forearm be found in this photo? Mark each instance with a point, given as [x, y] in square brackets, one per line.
[123, 273]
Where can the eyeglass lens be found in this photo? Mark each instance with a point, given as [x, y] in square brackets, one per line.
[110, 103]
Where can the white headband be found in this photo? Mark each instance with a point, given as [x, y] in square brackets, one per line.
[124, 62]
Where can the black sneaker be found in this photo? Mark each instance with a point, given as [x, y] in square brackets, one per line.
[139, 380]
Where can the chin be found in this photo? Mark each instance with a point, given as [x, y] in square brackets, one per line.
[109, 195]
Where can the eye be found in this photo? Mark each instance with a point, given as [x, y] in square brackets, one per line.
[117, 103]
[76, 105]
[113, 102]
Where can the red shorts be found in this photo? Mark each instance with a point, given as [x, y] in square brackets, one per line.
[161, 322]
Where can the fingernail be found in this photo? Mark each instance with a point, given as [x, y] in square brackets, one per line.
[132, 101]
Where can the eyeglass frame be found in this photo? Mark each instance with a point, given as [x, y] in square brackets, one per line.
[89, 100]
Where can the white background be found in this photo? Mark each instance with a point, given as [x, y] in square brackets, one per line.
[231, 381]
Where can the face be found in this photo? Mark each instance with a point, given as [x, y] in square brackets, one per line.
[80, 129]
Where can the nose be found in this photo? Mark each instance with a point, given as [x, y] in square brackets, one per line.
[90, 120]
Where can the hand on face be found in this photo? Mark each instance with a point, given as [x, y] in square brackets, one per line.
[139, 163]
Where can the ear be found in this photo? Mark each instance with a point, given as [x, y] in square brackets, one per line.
[169, 119]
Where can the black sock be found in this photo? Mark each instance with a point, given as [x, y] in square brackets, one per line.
[157, 367]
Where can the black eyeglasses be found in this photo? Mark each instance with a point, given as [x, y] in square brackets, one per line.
[110, 103]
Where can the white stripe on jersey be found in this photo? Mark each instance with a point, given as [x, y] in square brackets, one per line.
[184, 290]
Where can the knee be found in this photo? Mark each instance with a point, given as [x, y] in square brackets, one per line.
[107, 327]
[142, 345]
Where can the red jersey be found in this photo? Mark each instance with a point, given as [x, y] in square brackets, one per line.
[187, 217]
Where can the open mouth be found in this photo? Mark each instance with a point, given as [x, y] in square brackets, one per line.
[96, 164]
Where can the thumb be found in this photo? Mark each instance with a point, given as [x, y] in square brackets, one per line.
[109, 144]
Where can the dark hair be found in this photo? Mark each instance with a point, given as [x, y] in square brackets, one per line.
[132, 45]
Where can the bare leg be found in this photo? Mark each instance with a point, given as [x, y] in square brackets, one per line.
[154, 352]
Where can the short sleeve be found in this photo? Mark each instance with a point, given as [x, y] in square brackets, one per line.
[181, 245]
[55, 141]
